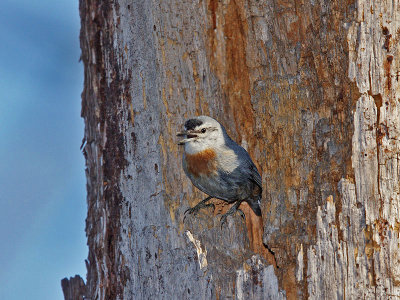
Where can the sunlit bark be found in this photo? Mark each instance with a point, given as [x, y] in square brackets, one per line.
[309, 88]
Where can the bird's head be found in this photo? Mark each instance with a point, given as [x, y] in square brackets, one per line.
[201, 133]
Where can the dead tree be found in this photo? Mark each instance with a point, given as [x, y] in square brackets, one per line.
[309, 88]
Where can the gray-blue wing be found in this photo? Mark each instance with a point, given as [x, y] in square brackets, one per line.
[249, 167]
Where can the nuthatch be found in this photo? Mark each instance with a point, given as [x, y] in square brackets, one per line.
[218, 166]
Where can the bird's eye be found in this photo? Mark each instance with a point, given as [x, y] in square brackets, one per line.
[203, 130]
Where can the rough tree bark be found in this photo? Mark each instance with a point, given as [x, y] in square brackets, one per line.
[310, 88]
[74, 288]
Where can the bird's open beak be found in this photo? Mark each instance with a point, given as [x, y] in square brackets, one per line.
[182, 133]
[189, 136]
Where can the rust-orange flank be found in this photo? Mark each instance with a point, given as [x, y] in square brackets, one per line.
[202, 163]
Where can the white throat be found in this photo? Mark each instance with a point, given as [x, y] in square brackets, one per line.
[195, 147]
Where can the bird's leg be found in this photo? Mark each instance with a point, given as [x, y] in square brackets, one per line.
[231, 211]
[241, 213]
[201, 204]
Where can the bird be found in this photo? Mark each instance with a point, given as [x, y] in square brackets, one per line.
[219, 167]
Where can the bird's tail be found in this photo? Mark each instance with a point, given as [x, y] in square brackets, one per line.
[255, 206]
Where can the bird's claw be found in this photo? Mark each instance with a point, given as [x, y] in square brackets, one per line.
[195, 210]
[241, 213]
[231, 211]
[225, 216]
[223, 220]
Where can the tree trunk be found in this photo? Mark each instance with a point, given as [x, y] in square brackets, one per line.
[309, 88]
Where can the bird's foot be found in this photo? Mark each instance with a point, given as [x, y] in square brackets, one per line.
[194, 210]
[241, 213]
[232, 211]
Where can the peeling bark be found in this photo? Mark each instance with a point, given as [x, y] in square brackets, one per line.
[310, 89]
[365, 260]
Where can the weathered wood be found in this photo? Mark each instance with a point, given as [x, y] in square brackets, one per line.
[362, 250]
[74, 288]
[310, 89]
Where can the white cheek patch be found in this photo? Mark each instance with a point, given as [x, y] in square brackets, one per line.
[215, 141]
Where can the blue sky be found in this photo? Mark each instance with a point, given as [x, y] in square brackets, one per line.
[42, 180]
